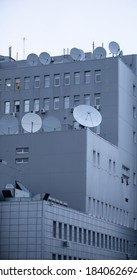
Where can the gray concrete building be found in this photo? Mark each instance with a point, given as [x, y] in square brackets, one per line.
[68, 192]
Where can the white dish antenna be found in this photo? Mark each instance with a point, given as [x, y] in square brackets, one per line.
[31, 122]
[99, 52]
[114, 48]
[44, 58]
[32, 59]
[51, 123]
[82, 55]
[75, 54]
[9, 125]
[87, 116]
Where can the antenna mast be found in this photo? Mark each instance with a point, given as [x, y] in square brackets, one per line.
[23, 47]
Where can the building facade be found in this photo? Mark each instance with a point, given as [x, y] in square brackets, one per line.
[92, 170]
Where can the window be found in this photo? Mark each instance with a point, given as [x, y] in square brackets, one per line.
[109, 242]
[46, 104]
[97, 101]
[98, 159]
[134, 137]
[46, 81]
[94, 157]
[60, 230]
[76, 100]
[27, 82]
[75, 234]
[93, 238]
[54, 229]
[134, 90]
[65, 231]
[26, 105]
[110, 165]
[67, 79]
[87, 99]
[97, 239]
[36, 105]
[87, 77]
[117, 244]
[56, 80]
[66, 102]
[7, 84]
[97, 76]
[16, 106]
[89, 237]
[80, 235]
[102, 240]
[21, 160]
[56, 103]
[113, 243]
[134, 178]
[7, 107]
[70, 233]
[106, 241]
[77, 78]
[22, 150]
[134, 112]
[0, 84]
[17, 83]
[37, 82]
[85, 236]
[114, 167]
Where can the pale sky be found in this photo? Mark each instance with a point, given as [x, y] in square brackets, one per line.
[53, 25]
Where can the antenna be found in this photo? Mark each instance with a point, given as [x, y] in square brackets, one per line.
[23, 47]
[99, 52]
[44, 58]
[8, 125]
[31, 122]
[114, 48]
[51, 123]
[32, 59]
[87, 116]
[10, 51]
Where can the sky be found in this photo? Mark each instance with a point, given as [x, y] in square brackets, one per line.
[53, 25]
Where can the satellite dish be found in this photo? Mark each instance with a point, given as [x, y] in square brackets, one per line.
[31, 122]
[114, 47]
[51, 123]
[87, 116]
[99, 52]
[45, 58]
[32, 59]
[82, 55]
[8, 125]
[75, 54]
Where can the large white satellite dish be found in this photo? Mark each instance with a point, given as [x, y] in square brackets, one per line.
[31, 122]
[114, 47]
[51, 123]
[32, 59]
[44, 58]
[8, 125]
[87, 116]
[99, 52]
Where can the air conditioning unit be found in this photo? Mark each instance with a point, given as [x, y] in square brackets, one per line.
[33, 111]
[66, 243]
[43, 111]
[71, 110]
[13, 114]
[97, 107]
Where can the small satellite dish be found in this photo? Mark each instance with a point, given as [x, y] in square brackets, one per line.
[82, 55]
[114, 47]
[31, 122]
[99, 52]
[44, 58]
[75, 54]
[32, 59]
[87, 116]
[51, 123]
[8, 125]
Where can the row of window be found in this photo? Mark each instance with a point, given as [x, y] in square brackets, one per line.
[112, 166]
[88, 237]
[64, 257]
[46, 103]
[48, 82]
